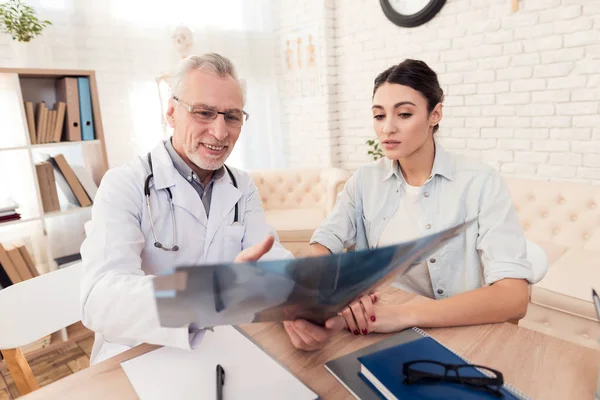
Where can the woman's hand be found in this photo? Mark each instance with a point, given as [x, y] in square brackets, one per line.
[367, 315]
[360, 315]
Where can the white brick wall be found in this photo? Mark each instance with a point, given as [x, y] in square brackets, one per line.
[309, 123]
[522, 89]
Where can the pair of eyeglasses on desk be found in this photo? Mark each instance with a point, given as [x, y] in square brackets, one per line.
[429, 371]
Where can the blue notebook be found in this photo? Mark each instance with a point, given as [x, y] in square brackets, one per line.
[385, 367]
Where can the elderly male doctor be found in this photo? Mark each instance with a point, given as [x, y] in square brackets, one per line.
[199, 212]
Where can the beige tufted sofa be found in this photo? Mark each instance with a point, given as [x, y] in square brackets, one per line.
[296, 201]
[564, 219]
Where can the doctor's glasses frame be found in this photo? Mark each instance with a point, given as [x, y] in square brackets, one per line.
[234, 118]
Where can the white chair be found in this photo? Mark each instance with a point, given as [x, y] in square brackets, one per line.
[32, 309]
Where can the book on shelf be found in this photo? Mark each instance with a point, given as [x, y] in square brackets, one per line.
[28, 260]
[10, 216]
[68, 182]
[8, 204]
[5, 280]
[16, 264]
[19, 262]
[7, 265]
[8, 211]
[30, 114]
[86, 180]
[85, 108]
[68, 260]
[67, 91]
[47, 186]
[45, 125]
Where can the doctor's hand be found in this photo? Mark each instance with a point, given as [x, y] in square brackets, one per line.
[255, 252]
[307, 336]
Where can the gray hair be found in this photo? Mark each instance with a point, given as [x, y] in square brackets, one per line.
[210, 62]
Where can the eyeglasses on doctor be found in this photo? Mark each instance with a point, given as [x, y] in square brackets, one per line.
[429, 371]
[233, 118]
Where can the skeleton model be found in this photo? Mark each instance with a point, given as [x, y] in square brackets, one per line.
[183, 39]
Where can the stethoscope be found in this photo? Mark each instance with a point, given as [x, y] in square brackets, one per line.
[174, 247]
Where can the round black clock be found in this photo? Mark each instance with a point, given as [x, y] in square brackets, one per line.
[411, 13]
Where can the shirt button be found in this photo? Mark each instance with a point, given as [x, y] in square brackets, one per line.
[426, 194]
[428, 226]
[432, 260]
[440, 291]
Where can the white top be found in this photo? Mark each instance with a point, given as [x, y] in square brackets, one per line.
[406, 225]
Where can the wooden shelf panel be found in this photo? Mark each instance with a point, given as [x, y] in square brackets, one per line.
[74, 210]
[57, 144]
[19, 221]
[45, 73]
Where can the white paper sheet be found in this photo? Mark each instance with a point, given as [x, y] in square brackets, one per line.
[169, 373]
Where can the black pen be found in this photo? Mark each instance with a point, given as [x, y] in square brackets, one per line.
[220, 381]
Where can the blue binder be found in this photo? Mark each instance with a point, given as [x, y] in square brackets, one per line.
[386, 366]
[85, 109]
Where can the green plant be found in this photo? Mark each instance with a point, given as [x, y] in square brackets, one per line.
[20, 21]
[375, 150]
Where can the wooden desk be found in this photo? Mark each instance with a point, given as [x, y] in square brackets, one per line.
[539, 365]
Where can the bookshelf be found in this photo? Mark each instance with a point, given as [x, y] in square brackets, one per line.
[47, 235]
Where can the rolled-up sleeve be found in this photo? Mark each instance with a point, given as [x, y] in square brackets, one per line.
[338, 230]
[501, 241]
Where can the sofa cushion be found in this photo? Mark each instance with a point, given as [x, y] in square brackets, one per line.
[295, 224]
[568, 284]
[594, 243]
[559, 212]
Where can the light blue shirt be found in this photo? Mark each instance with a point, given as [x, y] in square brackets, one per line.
[458, 190]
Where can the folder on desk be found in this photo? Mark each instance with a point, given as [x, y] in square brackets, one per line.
[67, 91]
[383, 370]
[250, 373]
[404, 346]
[85, 108]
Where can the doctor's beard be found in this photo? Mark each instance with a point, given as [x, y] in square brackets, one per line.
[208, 162]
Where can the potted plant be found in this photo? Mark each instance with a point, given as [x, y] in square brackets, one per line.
[20, 21]
[375, 149]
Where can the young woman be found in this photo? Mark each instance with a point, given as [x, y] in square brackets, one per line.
[418, 188]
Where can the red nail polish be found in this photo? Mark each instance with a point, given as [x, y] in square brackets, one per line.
[373, 318]
[356, 332]
[364, 331]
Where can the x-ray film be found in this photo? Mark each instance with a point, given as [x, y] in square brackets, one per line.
[313, 288]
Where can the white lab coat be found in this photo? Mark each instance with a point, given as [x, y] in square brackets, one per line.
[119, 257]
